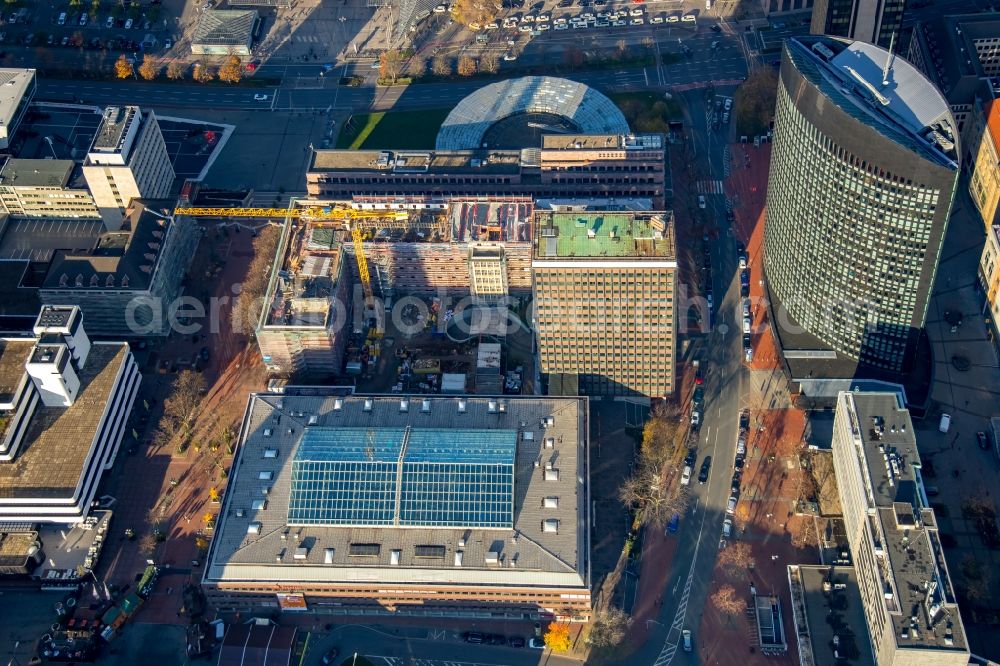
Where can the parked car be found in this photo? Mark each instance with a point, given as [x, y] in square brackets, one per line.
[686, 640]
[695, 419]
[473, 637]
[62, 18]
[727, 527]
[706, 465]
[674, 523]
[330, 656]
[747, 325]
[686, 475]
[84, 17]
[128, 24]
[536, 644]
[259, 98]
[735, 483]
[516, 642]
[983, 440]
[738, 463]
[731, 505]
[691, 457]
[701, 201]
[746, 307]
[110, 23]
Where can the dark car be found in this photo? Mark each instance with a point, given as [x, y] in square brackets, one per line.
[738, 463]
[747, 341]
[744, 288]
[716, 28]
[744, 419]
[516, 641]
[473, 637]
[330, 656]
[706, 465]
[692, 456]
[983, 440]
[745, 276]
[497, 639]
[674, 523]
[204, 354]
[735, 483]
[741, 251]
[699, 396]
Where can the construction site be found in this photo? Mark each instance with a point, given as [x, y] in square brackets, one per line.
[348, 282]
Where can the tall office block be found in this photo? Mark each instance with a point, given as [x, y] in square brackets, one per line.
[907, 594]
[127, 160]
[863, 173]
[872, 21]
[604, 300]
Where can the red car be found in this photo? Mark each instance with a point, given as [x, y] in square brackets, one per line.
[251, 67]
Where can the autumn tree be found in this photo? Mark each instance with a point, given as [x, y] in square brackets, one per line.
[737, 560]
[474, 13]
[728, 603]
[175, 70]
[441, 66]
[390, 66]
[203, 73]
[213, 495]
[232, 70]
[250, 301]
[754, 101]
[557, 637]
[489, 63]
[149, 69]
[609, 627]
[466, 66]
[123, 68]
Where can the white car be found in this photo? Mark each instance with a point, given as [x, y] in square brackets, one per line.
[747, 324]
[603, 24]
[543, 27]
[440, 9]
[528, 18]
[577, 26]
[635, 12]
[656, 19]
[509, 56]
[260, 98]
[110, 23]
[560, 21]
[84, 17]
[728, 104]
[525, 28]
[605, 15]
[128, 24]
[686, 640]
[748, 354]
[701, 201]
[743, 263]
[492, 26]
[688, 18]
[727, 527]
[618, 24]
[673, 19]
[509, 23]
[686, 475]
[587, 16]
[536, 644]
[731, 505]
[560, 26]
[543, 18]
[637, 21]
[746, 307]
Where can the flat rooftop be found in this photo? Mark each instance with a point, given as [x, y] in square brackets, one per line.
[14, 83]
[58, 439]
[914, 553]
[13, 355]
[114, 127]
[413, 162]
[602, 141]
[832, 602]
[36, 173]
[587, 235]
[362, 489]
[305, 276]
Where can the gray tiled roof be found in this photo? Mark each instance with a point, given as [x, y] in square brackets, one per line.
[225, 27]
[527, 555]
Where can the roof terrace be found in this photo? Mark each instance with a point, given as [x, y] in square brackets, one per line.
[590, 234]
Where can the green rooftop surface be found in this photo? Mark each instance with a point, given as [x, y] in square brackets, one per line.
[602, 234]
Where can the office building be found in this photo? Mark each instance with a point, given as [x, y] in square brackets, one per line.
[124, 281]
[989, 282]
[604, 301]
[984, 165]
[128, 160]
[906, 592]
[17, 89]
[225, 31]
[610, 170]
[820, 593]
[960, 54]
[873, 21]
[386, 505]
[770, 7]
[64, 401]
[45, 188]
[863, 172]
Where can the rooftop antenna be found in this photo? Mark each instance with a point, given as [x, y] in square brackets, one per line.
[888, 61]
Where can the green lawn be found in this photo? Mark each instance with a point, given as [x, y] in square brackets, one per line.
[399, 129]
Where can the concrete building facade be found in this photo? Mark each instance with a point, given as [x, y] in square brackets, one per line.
[873, 21]
[907, 594]
[604, 300]
[44, 188]
[128, 160]
[17, 90]
[64, 402]
[984, 167]
[862, 178]
[391, 506]
[989, 282]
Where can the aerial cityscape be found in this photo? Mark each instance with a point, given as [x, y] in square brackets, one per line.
[429, 332]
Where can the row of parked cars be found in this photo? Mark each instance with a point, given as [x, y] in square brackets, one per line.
[745, 314]
[738, 462]
[478, 638]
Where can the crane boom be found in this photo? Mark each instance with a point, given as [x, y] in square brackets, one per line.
[359, 255]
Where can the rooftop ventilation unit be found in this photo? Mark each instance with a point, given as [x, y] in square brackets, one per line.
[462, 406]
[338, 404]
[404, 405]
[328, 556]
[253, 528]
[368, 405]
[425, 406]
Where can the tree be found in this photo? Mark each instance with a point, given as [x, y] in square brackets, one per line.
[609, 627]
[147, 544]
[466, 66]
[201, 543]
[574, 56]
[754, 101]
[232, 70]
[417, 66]
[149, 69]
[95, 6]
[441, 66]
[489, 63]
[975, 579]
[203, 73]
[737, 560]
[250, 301]
[390, 66]
[185, 397]
[646, 491]
[727, 602]
[474, 13]
[175, 70]
[213, 495]
[557, 637]
[123, 68]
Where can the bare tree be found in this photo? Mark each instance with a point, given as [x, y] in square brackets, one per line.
[609, 627]
[185, 397]
[441, 66]
[390, 66]
[147, 544]
[466, 66]
[417, 66]
[737, 560]
[646, 491]
[489, 63]
[248, 304]
[175, 70]
[727, 602]
[203, 73]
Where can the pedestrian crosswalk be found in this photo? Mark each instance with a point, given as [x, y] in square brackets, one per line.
[709, 187]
